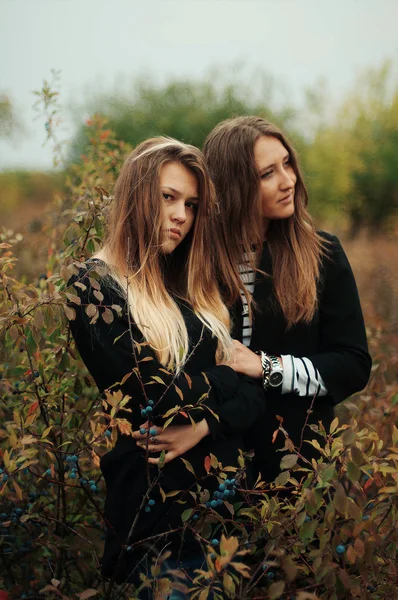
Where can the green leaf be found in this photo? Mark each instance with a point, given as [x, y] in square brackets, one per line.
[188, 465]
[353, 472]
[186, 515]
[276, 590]
[288, 461]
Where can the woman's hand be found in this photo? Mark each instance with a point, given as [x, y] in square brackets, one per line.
[245, 361]
[175, 439]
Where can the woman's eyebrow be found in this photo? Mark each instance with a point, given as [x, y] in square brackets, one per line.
[284, 158]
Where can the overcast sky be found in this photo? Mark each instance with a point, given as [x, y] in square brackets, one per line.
[104, 43]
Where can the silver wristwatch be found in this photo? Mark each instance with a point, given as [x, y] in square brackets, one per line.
[272, 371]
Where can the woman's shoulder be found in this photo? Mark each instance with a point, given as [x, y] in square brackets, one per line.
[92, 279]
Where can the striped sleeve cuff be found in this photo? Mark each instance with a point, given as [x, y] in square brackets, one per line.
[300, 377]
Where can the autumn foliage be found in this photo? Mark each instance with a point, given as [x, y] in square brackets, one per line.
[326, 529]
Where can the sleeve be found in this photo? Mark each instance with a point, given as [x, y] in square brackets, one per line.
[342, 359]
[117, 348]
[239, 412]
[300, 377]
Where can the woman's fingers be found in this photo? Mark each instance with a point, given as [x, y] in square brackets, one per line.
[168, 457]
[158, 447]
[144, 430]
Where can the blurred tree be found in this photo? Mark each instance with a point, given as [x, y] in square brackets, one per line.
[184, 109]
[352, 165]
[10, 124]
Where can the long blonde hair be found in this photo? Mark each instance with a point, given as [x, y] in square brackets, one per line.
[296, 248]
[133, 251]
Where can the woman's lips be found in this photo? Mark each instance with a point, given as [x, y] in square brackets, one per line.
[286, 199]
[175, 234]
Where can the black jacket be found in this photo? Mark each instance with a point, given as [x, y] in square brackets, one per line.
[107, 351]
[335, 341]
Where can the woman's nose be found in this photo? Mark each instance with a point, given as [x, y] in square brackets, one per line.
[179, 213]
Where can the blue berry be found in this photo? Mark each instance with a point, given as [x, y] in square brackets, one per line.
[264, 567]
[214, 542]
[129, 548]
[68, 459]
[1, 471]
[212, 555]
[307, 519]
[232, 493]
[93, 488]
[195, 517]
[147, 508]
[143, 413]
[150, 403]
[149, 409]
[221, 487]
[271, 575]
[5, 477]
[108, 433]
[152, 432]
[217, 495]
[227, 492]
[365, 518]
[48, 472]
[371, 505]
[213, 503]
[151, 502]
[207, 504]
[233, 481]
[220, 502]
[17, 384]
[228, 481]
[19, 511]
[73, 459]
[72, 475]
[142, 431]
[3, 516]
[36, 373]
[91, 482]
[340, 549]
[83, 482]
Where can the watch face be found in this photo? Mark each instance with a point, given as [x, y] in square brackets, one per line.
[275, 378]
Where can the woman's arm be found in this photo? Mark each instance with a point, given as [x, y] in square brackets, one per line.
[342, 363]
[117, 355]
[342, 359]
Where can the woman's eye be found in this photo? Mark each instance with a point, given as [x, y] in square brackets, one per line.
[288, 163]
[167, 196]
[266, 175]
[191, 205]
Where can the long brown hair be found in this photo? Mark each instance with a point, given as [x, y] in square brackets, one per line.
[296, 248]
[133, 250]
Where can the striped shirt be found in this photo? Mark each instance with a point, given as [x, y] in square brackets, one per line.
[299, 374]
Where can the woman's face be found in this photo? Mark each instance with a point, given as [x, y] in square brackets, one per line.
[277, 178]
[179, 188]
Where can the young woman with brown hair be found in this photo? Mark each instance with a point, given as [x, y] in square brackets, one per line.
[304, 325]
[303, 320]
[152, 330]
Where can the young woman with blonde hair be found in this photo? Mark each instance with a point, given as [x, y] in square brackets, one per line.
[152, 330]
[302, 327]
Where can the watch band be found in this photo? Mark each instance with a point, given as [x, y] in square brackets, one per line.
[272, 371]
[266, 366]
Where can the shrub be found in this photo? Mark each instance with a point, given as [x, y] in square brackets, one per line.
[325, 529]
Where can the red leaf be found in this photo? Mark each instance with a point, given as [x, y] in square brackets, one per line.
[207, 463]
[32, 410]
[184, 414]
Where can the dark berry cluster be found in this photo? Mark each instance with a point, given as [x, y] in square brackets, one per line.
[146, 412]
[226, 490]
